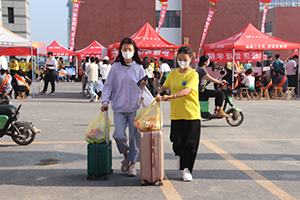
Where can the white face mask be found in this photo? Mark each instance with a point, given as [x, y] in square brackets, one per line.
[183, 64]
[127, 54]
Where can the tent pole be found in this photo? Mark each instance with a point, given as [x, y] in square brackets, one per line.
[38, 68]
[76, 68]
[233, 56]
[298, 73]
[32, 73]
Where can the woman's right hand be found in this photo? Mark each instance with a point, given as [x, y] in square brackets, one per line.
[103, 108]
[158, 97]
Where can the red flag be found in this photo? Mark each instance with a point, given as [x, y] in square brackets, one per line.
[210, 16]
[264, 19]
[163, 13]
[74, 25]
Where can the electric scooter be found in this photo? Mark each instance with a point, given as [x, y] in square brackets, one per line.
[236, 116]
[21, 132]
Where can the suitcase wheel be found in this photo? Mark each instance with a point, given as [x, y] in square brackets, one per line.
[106, 177]
[89, 177]
[111, 172]
[143, 183]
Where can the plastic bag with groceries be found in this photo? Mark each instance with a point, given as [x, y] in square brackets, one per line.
[150, 118]
[95, 132]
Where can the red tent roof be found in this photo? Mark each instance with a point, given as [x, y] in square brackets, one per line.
[148, 38]
[94, 48]
[58, 50]
[250, 38]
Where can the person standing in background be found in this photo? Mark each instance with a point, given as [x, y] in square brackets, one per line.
[92, 72]
[149, 72]
[104, 68]
[84, 75]
[291, 72]
[13, 66]
[164, 70]
[277, 65]
[51, 66]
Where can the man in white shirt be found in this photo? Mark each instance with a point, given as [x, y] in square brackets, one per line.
[291, 72]
[50, 66]
[92, 75]
[249, 80]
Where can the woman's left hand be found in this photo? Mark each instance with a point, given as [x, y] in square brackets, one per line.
[143, 83]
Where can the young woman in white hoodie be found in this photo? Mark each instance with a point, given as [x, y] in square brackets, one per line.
[121, 82]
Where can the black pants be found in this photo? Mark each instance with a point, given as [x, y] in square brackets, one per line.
[293, 82]
[219, 96]
[50, 77]
[151, 86]
[185, 135]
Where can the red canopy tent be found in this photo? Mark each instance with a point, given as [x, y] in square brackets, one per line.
[94, 49]
[59, 50]
[248, 39]
[151, 43]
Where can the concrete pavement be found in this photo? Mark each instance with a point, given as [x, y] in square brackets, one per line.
[258, 160]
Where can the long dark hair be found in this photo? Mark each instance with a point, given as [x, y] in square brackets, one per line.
[135, 57]
[145, 62]
[203, 59]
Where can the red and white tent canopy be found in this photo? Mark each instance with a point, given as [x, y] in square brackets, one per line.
[12, 44]
[148, 38]
[250, 38]
[94, 49]
[59, 50]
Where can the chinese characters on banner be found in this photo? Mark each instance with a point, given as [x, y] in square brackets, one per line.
[242, 56]
[162, 16]
[74, 25]
[146, 53]
[157, 53]
[211, 13]
[264, 19]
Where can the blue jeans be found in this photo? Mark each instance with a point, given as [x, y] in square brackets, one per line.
[91, 89]
[121, 120]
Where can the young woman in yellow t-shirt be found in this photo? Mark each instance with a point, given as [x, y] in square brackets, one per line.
[185, 111]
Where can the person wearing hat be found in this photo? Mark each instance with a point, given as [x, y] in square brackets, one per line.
[104, 68]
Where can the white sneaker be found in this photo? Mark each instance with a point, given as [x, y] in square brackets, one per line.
[96, 98]
[187, 176]
[132, 170]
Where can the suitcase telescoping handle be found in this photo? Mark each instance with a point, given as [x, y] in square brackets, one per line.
[106, 126]
[161, 122]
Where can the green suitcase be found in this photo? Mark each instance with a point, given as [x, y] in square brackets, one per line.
[99, 157]
[99, 160]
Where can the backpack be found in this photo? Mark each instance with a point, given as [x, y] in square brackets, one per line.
[83, 66]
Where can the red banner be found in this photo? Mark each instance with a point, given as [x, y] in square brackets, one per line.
[146, 53]
[74, 25]
[242, 56]
[157, 54]
[163, 13]
[264, 19]
[211, 13]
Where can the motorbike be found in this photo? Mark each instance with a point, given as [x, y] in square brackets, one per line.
[236, 116]
[21, 132]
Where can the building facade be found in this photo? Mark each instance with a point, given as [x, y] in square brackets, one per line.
[281, 3]
[280, 23]
[16, 16]
[109, 21]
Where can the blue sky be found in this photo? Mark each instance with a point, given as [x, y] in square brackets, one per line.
[48, 21]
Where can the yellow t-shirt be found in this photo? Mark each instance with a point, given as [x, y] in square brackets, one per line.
[152, 65]
[184, 108]
[14, 66]
[23, 67]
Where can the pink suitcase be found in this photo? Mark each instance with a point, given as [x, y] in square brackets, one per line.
[152, 157]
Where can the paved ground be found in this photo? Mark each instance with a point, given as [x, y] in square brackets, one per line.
[258, 160]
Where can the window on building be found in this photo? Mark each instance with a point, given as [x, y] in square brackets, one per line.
[172, 19]
[278, 1]
[283, 1]
[11, 18]
[269, 27]
[289, 1]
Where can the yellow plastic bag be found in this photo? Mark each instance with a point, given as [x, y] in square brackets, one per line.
[149, 119]
[95, 132]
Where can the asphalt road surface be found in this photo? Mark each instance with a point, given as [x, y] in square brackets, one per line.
[258, 160]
